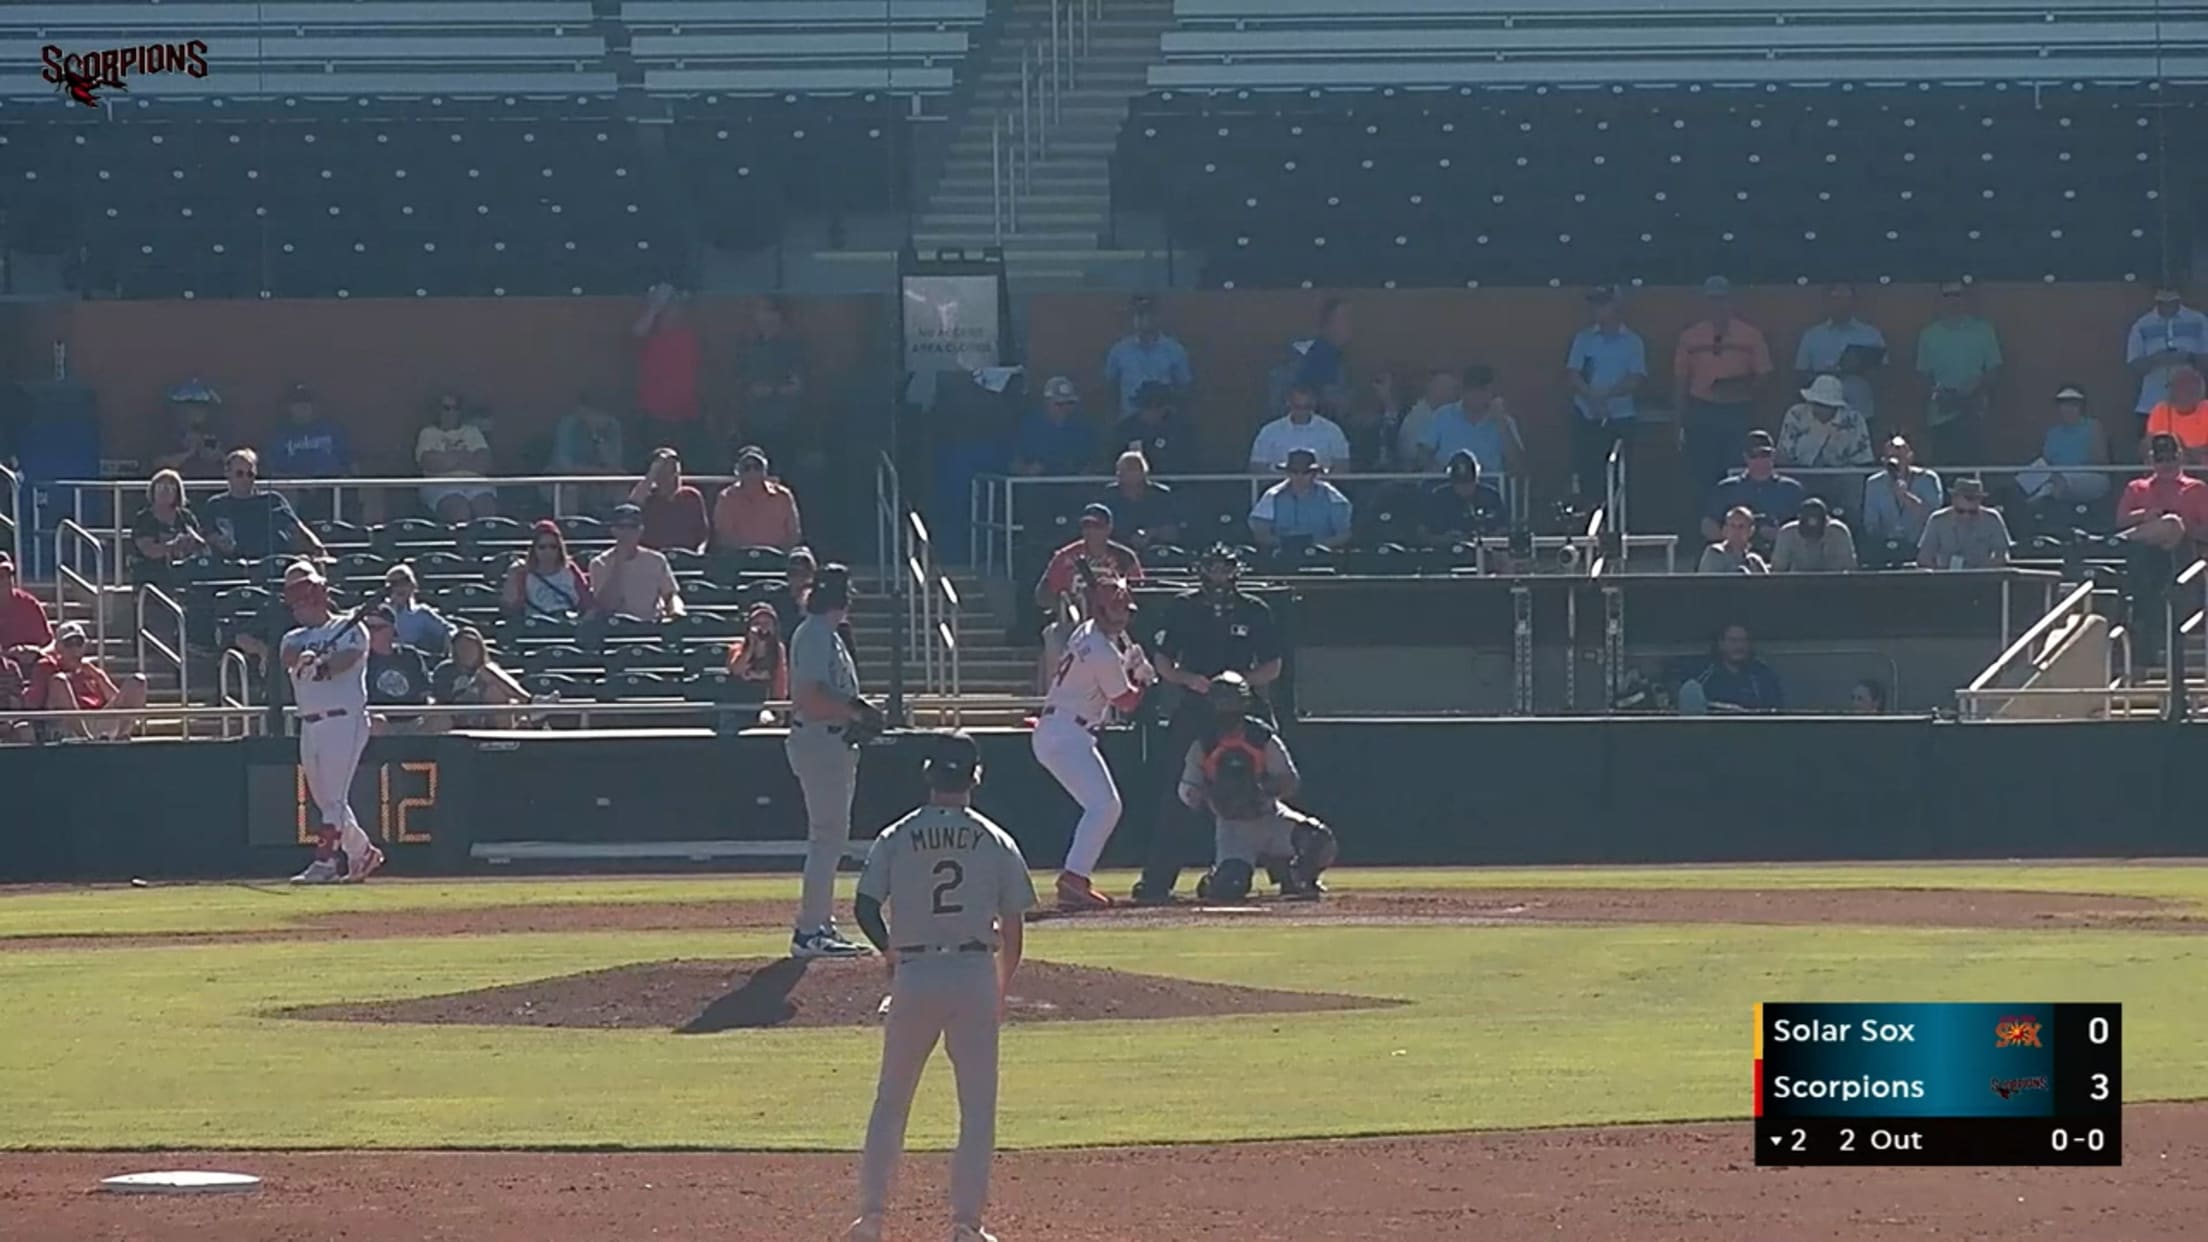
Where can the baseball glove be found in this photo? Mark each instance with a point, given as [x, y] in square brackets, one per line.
[1234, 780]
[867, 723]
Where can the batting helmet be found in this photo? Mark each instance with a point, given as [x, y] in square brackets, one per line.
[1110, 602]
[305, 587]
[1229, 694]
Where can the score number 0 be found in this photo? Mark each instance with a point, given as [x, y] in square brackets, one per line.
[2096, 1031]
[392, 816]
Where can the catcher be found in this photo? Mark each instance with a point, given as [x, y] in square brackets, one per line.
[1241, 770]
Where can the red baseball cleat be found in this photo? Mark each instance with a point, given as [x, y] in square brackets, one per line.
[1076, 893]
[365, 867]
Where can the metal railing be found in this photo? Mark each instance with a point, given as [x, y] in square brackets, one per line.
[1975, 701]
[1614, 487]
[11, 516]
[69, 539]
[232, 658]
[179, 655]
[1049, 68]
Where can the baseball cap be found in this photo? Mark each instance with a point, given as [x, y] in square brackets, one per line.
[1759, 441]
[301, 571]
[2168, 293]
[69, 632]
[1951, 288]
[1059, 388]
[1097, 512]
[2069, 392]
[2164, 447]
[1299, 461]
[1718, 286]
[194, 391]
[1969, 485]
[626, 514]
[831, 590]
[1813, 511]
[751, 453]
[952, 758]
[1463, 464]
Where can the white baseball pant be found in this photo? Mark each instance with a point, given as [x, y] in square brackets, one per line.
[1068, 752]
[329, 753]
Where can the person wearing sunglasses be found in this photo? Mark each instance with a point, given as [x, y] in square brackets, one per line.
[547, 583]
[453, 447]
[68, 678]
[755, 511]
[1774, 498]
[249, 522]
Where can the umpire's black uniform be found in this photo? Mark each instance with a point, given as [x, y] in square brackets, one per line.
[1207, 632]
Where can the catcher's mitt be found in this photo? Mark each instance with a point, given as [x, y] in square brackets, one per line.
[867, 723]
[1234, 779]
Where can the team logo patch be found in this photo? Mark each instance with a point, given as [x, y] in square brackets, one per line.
[2016, 1032]
[83, 75]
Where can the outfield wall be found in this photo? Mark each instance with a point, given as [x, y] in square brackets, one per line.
[1609, 790]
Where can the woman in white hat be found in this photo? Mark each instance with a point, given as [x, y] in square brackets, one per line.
[1824, 430]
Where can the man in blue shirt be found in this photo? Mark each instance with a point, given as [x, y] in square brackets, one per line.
[1475, 423]
[250, 524]
[1054, 441]
[1301, 510]
[1605, 366]
[1774, 498]
[1735, 683]
[1325, 363]
[1144, 357]
[308, 446]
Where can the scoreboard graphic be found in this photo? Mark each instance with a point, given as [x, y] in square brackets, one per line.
[1939, 1084]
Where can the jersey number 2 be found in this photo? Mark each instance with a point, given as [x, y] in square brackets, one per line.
[956, 875]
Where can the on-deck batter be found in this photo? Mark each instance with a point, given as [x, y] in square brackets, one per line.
[328, 663]
[1103, 670]
[956, 886]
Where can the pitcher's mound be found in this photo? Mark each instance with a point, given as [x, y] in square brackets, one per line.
[695, 998]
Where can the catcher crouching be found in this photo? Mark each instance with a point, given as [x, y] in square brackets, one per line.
[1240, 770]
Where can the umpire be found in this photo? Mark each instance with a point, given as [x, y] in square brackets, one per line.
[1216, 628]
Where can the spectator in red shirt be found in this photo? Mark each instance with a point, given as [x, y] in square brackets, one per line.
[24, 633]
[66, 679]
[2164, 520]
[674, 511]
[1060, 581]
[667, 374]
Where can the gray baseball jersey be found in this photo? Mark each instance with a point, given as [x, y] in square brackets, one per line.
[817, 654]
[945, 876]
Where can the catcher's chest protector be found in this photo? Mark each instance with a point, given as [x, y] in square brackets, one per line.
[1228, 749]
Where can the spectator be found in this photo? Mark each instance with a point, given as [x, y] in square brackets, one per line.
[1960, 354]
[1606, 364]
[1476, 423]
[415, 623]
[1144, 357]
[1734, 551]
[1159, 431]
[1772, 497]
[2184, 415]
[1823, 431]
[1302, 510]
[1867, 697]
[2073, 439]
[667, 372]
[1442, 389]
[163, 533]
[1966, 534]
[1897, 502]
[1370, 423]
[1735, 683]
[1145, 513]
[630, 579]
[1462, 506]
[1302, 427]
[789, 600]
[451, 447]
[13, 687]
[547, 584]
[1843, 345]
[2170, 336]
[1325, 363]
[246, 522]
[24, 632]
[195, 410]
[309, 446]
[754, 511]
[471, 677]
[1054, 441]
[66, 679]
[1813, 543]
[772, 369]
[2163, 519]
[674, 511]
[1714, 373]
[758, 662]
[587, 440]
[398, 675]
[1056, 592]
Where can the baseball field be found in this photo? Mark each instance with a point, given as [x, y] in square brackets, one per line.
[1461, 1054]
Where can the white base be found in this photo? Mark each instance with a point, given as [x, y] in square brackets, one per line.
[181, 1183]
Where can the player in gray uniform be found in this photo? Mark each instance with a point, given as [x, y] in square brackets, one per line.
[956, 887]
[824, 686]
[1240, 770]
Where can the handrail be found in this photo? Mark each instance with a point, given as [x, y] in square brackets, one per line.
[232, 658]
[67, 574]
[2080, 597]
[1614, 486]
[149, 593]
[11, 514]
[1598, 562]
[948, 628]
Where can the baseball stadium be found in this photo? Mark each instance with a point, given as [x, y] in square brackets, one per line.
[1438, 620]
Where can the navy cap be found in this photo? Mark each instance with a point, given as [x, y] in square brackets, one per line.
[1096, 512]
[625, 514]
[1463, 464]
[951, 760]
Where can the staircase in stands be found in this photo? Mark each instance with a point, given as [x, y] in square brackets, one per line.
[1065, 212]
[990, 665]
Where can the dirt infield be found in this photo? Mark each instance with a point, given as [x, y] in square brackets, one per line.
[1892, 907]
[701, 998]
[1627, 1184]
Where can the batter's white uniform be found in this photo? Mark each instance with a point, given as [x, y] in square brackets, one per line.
[1097, 669]
[945, 876]
[333, 727]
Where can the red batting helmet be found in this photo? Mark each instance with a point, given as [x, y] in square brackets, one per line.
[1111, 603]
[305, 587]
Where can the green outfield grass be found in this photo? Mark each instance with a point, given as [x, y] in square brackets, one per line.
[218, 907]
[1509, 1027]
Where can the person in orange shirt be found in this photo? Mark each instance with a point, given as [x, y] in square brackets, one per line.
[1714, 372]
[755, 511]
[2184, 415]
[65, 680]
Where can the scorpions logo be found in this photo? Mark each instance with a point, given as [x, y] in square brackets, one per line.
[82, 76]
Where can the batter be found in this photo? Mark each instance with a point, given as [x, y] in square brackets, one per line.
[1102, 671]
[328, 663]
[824, 688]
[956, 886]
[1240, 770]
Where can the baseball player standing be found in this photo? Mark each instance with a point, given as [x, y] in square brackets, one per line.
[1103, 670]
[956, 886]
[824, 688]
[328, 662]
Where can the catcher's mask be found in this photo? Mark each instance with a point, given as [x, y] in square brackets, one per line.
[1218, 571]
[305, 587]
[1111, 604]
[1229, 694]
